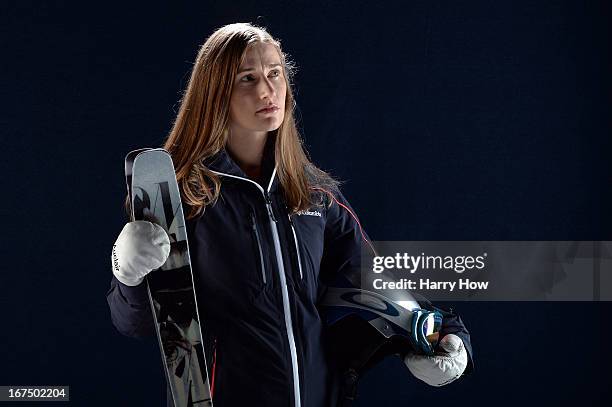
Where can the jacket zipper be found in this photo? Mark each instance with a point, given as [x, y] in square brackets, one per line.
[297, 247]
[283, 280]
[258, 239]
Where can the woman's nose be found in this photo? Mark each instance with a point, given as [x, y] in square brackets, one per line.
[266, 88]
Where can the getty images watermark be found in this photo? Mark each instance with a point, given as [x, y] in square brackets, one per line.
[491, 270]
[411, 264]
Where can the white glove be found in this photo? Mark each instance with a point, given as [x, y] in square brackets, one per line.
[442, 368]
[140, 248]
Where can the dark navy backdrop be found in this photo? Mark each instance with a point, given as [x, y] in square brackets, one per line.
[449, 120]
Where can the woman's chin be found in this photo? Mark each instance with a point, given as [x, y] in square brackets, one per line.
[271, 125]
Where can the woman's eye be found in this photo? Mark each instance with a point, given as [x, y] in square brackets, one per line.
[249, 78]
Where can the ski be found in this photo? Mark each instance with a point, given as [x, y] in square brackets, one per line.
[154, 196]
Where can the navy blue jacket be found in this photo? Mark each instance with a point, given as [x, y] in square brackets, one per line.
[259, 274]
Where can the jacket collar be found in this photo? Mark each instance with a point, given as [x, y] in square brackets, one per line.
[222, 162]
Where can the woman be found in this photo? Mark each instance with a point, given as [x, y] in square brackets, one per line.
[267, 231]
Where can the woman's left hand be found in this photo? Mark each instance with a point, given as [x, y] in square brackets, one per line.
[446, 366]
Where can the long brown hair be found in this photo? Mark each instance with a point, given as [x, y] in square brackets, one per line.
[199, 130]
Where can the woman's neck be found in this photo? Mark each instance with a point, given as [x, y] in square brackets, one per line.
[246, 148]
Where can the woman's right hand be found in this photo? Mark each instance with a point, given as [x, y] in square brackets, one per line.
[140, 248]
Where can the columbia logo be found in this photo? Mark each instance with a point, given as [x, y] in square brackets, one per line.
[309, 213]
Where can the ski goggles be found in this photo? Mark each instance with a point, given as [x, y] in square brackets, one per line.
[425, 330]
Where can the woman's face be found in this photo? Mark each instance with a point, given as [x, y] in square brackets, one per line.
[258, 95]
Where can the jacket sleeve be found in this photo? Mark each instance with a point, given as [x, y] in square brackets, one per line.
[344, 240]
[130, 309]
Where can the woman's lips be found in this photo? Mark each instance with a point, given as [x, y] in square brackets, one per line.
[271, 109]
